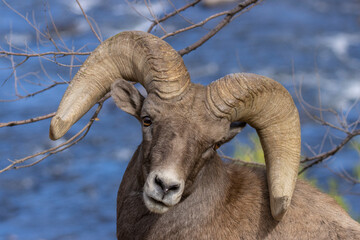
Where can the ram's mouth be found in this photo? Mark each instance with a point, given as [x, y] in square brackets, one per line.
[154, 205]
[158, 202]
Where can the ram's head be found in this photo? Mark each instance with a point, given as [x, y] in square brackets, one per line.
[183, 123]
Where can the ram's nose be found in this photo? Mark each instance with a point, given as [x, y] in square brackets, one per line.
[162, 190]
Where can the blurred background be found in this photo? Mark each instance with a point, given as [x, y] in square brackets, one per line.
[312, 47]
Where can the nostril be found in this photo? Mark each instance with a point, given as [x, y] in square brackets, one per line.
[159, 182]
[166, 187]
[171, 188]
[174, 187]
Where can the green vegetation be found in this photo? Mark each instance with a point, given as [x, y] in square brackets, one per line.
[250, 153]
[357, 171]
[334, 192]
[356, 145]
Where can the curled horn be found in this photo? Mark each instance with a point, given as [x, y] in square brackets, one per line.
[133, 56]
[268, 107]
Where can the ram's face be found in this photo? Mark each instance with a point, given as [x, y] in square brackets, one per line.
[178, 137]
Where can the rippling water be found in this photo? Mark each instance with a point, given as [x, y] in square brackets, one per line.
[72, 195]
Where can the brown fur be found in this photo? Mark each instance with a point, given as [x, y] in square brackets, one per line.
[229, 201]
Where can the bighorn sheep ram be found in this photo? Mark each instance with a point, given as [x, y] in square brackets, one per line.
[176, 186]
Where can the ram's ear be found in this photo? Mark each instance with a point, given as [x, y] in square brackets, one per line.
[127, 97]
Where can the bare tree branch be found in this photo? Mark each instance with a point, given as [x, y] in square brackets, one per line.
[70, 142]
[219, 26]
[19, 97]
[28, 55]
[321, 157]
[31, 120]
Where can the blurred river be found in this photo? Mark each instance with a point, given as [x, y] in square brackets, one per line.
[72, 195]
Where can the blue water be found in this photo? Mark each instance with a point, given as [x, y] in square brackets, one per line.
[72, 195]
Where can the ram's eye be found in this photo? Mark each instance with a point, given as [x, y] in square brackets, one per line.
[146, 121]
[216, 146]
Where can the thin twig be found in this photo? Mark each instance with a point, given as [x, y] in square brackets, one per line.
[148, 5]
[25, 18]
[55, 28]
[136, 11]
[325, 123]
[195, 25]
[19, 161]
[88, 21]
[62, 64]
[344, 175]
[19, 97]
[28, 55]
[31, 120]
[72, 141]
[179, 13]
[167, 16]
[13, 64]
